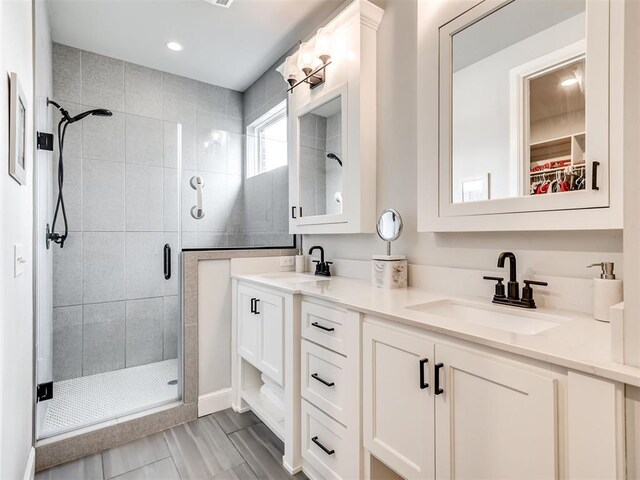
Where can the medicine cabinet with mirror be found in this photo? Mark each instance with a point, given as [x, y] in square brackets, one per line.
[514, 129]
[332, 129]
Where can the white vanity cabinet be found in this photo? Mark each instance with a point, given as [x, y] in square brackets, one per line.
[261, 330]
[330, 390]
[436, 409]
[398, 406]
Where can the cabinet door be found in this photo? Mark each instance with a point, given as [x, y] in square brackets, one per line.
[271, 356]
[398, 410]
[493, 420]
[248, 325]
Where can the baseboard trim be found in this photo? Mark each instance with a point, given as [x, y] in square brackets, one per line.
[214, 402]
[30, 471]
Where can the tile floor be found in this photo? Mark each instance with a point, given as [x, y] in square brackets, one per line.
[222, 446]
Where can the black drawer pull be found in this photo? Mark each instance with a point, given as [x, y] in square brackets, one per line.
[438, 390]
[255, 308]
[328, 384]
[322, 327]
[324, 449]
[253, 305]
[423, 384]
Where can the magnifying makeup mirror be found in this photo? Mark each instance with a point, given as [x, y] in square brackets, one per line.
[389, 227]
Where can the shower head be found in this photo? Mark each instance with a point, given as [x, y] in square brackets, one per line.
[99, 112]
[333, 156]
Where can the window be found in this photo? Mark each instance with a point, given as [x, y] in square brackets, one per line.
[267, 141]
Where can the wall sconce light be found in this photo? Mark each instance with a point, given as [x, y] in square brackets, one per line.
[311, 59]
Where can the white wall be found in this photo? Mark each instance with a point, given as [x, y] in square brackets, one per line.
[555, 253]
[16, 308]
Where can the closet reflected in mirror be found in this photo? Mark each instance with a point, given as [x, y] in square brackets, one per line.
[519, 101]
[322, 160]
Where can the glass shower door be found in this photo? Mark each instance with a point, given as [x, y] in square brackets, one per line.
[110, 341]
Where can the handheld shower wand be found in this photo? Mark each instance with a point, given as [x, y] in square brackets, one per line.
[65, 121]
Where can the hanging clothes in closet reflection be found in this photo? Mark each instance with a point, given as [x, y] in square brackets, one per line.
[558, 179]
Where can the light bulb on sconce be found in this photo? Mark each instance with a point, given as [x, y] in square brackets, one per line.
[312, 58]
[306, 59]
[322, 49]
[290, 73]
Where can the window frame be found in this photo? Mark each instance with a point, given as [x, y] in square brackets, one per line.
[254, 141]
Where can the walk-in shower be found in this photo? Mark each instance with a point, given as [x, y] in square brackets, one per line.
[118, 187]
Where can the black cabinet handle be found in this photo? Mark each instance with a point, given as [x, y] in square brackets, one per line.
[293, 212]
[594, 176]
[328, 384]
[423, 384]
[253, 305]
[167, 261]
[255, 308]
[438, 390]
[324, 449]
[322, 327]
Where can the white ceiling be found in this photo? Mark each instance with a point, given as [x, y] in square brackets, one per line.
[227, 47]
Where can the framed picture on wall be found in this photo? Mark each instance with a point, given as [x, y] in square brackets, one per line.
[17, 131]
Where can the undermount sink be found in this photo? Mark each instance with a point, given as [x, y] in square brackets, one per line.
[502, 318]
[294, 277]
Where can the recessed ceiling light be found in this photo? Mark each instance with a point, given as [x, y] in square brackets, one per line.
[569, 81]
[220, 3]
[175, 46]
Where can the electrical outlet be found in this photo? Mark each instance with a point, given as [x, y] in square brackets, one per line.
[287, 261]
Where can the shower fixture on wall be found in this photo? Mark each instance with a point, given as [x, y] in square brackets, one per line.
[333, 156]
[65, 121]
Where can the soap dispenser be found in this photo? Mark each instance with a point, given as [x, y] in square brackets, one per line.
[607, 291]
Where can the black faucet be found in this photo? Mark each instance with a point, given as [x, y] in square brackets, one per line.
[322, 267]
[513, 290]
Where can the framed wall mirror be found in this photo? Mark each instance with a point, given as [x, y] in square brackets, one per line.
[322, 160]
[523, 111]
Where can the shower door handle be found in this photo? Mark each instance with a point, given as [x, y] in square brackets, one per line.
[197, 183]
[167, 261]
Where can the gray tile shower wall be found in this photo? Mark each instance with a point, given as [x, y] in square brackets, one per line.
[266, 196]
[112, 306]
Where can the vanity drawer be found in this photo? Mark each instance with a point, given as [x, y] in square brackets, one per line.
[325, 445]
[324, 325]
[325, 381]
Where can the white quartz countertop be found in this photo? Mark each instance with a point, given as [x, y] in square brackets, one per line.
[581, 343]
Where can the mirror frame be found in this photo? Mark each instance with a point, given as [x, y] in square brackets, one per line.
[340, 91]
[397, 236]
[597, 105]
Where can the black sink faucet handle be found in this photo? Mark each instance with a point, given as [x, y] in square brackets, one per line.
[499, 291]
[527, 292]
